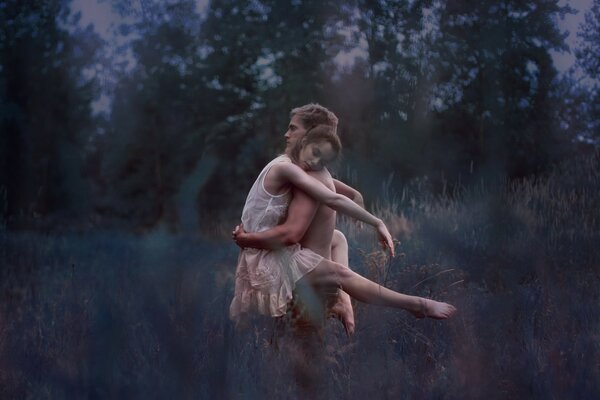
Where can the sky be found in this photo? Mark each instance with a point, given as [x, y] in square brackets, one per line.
[563, 61]
[100, 13]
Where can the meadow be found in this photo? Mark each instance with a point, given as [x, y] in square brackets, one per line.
[114, 315]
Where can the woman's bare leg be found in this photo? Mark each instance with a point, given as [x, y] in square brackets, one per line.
[329, 273]
[342, 307]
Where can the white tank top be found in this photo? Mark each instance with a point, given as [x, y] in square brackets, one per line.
[263, 210]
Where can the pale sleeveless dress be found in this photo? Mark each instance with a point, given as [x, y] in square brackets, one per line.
[265, 279]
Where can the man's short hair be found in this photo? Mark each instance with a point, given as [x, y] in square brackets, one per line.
[314, 114]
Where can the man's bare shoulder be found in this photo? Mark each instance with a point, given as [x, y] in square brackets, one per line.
[322, 176]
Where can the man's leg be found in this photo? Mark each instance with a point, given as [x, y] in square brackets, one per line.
[342, 306]
[314, 303]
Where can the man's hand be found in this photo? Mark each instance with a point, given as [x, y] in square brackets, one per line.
[385, 238]
[238, 235]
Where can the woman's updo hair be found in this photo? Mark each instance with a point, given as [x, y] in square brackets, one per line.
[315, 134]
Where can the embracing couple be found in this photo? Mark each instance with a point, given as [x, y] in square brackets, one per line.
[288, 235]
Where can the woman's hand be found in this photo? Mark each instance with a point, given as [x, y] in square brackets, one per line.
[385, 238]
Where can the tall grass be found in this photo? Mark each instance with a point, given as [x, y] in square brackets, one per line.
[109, 315]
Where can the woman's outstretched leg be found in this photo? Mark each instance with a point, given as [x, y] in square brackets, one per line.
[329, 273]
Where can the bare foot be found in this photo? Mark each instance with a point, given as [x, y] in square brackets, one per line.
[345, 314]
[433, 309]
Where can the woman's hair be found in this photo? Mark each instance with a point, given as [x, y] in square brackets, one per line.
[317, 134]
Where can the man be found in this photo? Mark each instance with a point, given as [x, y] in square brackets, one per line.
[309, 223]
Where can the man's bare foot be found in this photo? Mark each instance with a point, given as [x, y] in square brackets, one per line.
[433, 309]
[345, 314]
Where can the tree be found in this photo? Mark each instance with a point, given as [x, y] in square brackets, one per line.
[45, 97]
[155, 135]
[496, 75]
[392, 116]
[588, 59]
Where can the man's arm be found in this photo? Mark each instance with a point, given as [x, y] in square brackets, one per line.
[349, 192]
[301, 212]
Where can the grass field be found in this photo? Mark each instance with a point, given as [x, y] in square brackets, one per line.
[113, 315]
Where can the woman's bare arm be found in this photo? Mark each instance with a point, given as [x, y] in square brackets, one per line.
[311, 186]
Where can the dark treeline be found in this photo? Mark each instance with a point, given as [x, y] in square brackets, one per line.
[453, 90]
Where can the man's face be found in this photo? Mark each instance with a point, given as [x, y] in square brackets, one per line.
[295, 132]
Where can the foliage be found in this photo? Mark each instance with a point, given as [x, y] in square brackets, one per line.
[497, 76]
[200, 97]
[46, 88]
[588, 54]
